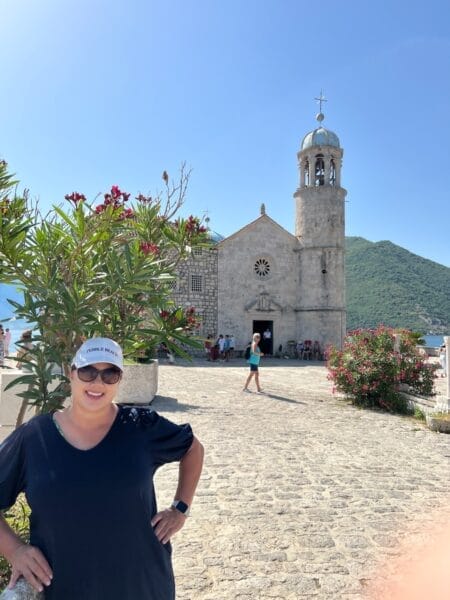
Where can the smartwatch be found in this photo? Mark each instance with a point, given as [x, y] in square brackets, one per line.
[181, 507]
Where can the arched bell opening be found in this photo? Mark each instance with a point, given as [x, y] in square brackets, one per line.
[306, 172]
[319, 170]
[332, 172]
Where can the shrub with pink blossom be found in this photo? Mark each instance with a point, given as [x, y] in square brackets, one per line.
[96, 268]
[372, 372]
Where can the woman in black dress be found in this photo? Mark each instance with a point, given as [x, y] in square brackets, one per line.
[87, 472]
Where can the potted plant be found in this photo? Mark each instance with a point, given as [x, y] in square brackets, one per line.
[95, 268]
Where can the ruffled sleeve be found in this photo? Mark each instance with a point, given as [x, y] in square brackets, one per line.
[12, 468]
[168, 442]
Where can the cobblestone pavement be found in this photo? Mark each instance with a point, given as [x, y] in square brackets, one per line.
[302, 494]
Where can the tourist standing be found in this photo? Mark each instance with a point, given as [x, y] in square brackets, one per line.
[267, 339]
[88, 472]
[7, 341]
[221, 343]
[443, 360]
[226, 348]
[232, 346]
[2, 346]
[253, 361]
[207, 345]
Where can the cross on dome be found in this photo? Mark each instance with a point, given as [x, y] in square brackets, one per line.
[320, 117]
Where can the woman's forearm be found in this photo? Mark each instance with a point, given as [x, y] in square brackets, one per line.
[9, 540]
[189, 472]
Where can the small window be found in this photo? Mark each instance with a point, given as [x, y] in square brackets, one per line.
[262, 267]
[196, 283]
[197, 251]
[172, 285]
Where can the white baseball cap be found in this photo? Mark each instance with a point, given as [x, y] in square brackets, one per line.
[98, 350]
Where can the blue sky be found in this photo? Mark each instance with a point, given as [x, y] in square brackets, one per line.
[101, 92]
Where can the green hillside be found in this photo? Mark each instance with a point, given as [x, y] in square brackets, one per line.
[388, 284]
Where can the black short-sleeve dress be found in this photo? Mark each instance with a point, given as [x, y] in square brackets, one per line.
[91, 509]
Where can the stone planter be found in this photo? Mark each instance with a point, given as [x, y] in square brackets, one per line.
[139, 383]
[437, 423]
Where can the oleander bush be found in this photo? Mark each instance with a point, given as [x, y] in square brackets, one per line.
[96, 268]
[372, 373]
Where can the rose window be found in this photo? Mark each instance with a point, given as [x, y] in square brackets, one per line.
[262, 267]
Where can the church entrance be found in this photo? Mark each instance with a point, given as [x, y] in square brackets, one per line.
[265, 330]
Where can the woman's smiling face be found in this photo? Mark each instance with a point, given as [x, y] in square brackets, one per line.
[93, 395]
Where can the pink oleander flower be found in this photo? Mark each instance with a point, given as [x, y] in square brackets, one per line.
[149, 248]
[144, 199]
[75, 198]
[115, 192]
[128, 213]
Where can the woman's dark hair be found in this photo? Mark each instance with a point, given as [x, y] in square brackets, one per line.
[26, 335]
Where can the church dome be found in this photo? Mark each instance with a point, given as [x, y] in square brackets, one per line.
[320, 137]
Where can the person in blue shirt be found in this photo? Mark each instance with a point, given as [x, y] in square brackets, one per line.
[87, 473]
[253, 361]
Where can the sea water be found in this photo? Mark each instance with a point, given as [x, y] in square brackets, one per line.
[7, 318]
[433, 341]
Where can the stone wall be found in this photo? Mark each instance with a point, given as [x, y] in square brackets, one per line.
[201, 293]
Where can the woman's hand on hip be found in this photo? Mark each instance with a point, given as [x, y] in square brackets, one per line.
[29, 562]
[166, 523]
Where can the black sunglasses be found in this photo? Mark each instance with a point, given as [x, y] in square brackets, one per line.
[90, 373]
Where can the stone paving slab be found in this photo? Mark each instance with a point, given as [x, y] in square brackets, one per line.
[302, 495]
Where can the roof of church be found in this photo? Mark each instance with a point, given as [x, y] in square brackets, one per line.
[261, 217]
[320, 137]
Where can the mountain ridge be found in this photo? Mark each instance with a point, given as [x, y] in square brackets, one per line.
[388, 284]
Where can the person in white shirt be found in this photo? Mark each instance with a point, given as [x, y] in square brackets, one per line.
[7, 341]
[232, 346]
[221, 342]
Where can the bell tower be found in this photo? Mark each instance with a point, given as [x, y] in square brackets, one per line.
[320, 230]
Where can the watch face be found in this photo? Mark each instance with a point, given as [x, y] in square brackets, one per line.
[181, 506]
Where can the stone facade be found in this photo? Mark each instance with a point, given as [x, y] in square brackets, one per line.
[197, 285]
[264, 278]
[258, 282]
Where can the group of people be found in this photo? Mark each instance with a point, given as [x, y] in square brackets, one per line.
[5, 341]
[220, 349]
[309, 350]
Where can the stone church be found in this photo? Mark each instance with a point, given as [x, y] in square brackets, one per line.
[263, 277]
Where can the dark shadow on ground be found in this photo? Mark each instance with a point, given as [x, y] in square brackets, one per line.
[283, 399]
[168, 404]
